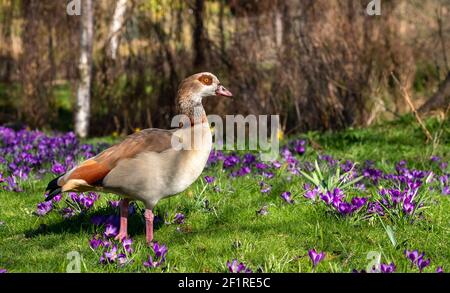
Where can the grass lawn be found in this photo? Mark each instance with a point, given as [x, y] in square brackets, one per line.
[222, 225]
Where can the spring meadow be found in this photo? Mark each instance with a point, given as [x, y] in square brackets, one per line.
[320, 131]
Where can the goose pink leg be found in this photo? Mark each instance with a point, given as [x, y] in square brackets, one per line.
[148, 226]
[123, 232]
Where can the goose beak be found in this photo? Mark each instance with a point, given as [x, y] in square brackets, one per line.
[222, 91]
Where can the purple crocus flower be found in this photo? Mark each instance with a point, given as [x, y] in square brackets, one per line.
[95, 242]
[58, 169]
[408, 207]
[122, 259]
[265, 188]
[373, 174]
[413, 255]
[114, 203]
[298, 146]
[326, 197]
[179, 218]
[132, 209]
[127, 242]
[286, 153]
[390, 268]
[358, 202]
[311, 194]
[209, 179]
[261, 166]
[375, 208]
[150, 263]
[111, 255]
[329, 159]
[360, 186]
[418, 259]
[336, 201]
[444, 179]
[396, 195]
[74, 196]
[435, 159]
[446, 190]
[422, 263]
[97, 220]
[249, 159]
[439, 270]
[230, 161]
[315, 257]
[3, 271]
[347, 166]
[345, 208]
[215, 156]
[241, 172]
[263, 211]
[235, 267]
[57, 198]
[44, 207]
[106, 243]
[86, 200]
[268, 175]
[160, 252]
[110, 231]
[286, 196]
[276, 164]
[11, 184]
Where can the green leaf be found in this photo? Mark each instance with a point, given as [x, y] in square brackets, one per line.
[352, 182]
[391, 235]
[318, 170]
[389, 232]
[308, 177]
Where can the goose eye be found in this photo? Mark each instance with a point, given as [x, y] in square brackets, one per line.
[205, 79]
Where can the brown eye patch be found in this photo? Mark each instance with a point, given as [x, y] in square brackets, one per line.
[205, 79]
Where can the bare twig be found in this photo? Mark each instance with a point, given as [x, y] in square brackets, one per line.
[413, 109]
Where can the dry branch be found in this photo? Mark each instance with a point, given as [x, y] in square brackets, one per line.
[413, 109]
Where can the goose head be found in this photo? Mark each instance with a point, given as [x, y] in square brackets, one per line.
[201, 85]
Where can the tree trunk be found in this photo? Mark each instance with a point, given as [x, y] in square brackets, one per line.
[116, 26]
[278, 28]
[221, 27]
[85, 70]
[441, 99]
[33, 68]
[199, 37]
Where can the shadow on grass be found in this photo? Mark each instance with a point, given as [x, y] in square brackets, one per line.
[83, 223]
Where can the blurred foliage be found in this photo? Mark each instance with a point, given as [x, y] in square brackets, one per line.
[318, 64]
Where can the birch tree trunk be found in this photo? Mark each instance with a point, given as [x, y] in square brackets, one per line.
[278, 28]
[85, 70]
[115, 27]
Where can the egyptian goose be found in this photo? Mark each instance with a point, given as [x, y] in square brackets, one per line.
[151, 164]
